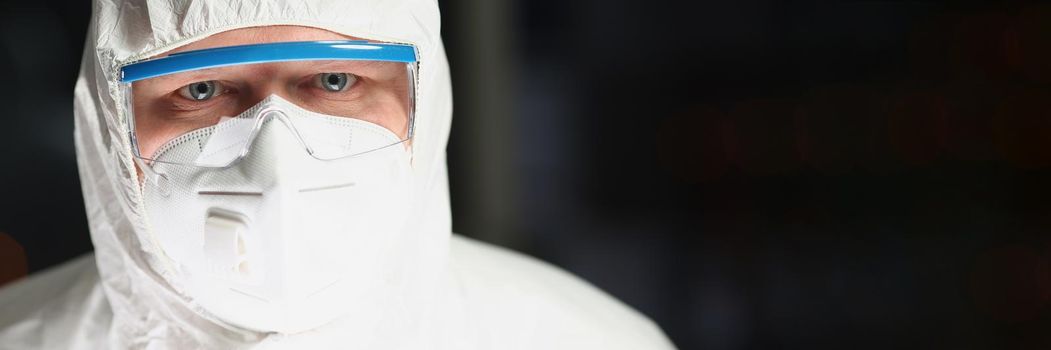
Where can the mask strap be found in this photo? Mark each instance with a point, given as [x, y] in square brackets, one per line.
[157, 179]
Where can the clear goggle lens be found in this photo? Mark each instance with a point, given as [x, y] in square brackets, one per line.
[319, 98]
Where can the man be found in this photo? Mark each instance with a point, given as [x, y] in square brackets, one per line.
[265, 174]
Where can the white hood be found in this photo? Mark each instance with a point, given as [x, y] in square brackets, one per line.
[133, 270]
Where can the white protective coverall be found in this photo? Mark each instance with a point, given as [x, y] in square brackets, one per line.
[454, 293]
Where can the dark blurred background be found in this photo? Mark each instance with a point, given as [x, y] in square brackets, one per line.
[749, 174]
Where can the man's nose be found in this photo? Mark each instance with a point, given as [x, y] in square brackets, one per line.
[264, 89]
[266, 80]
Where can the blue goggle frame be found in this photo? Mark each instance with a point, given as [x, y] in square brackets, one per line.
[269, 52]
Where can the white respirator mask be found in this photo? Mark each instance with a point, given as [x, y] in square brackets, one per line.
[280, 241]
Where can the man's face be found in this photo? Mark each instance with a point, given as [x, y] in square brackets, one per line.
[289, 238]
[169, 106]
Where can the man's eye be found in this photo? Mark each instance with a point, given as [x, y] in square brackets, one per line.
[336, 82]
[200, 91]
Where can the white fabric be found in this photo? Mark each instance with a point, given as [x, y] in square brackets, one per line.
[456, 294]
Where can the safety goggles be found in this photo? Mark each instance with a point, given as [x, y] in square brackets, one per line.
[219, 90]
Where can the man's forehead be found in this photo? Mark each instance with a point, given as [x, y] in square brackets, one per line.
[260, 35]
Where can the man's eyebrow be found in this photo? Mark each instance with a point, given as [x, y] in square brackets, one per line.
[359, 64]
[190, 76]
